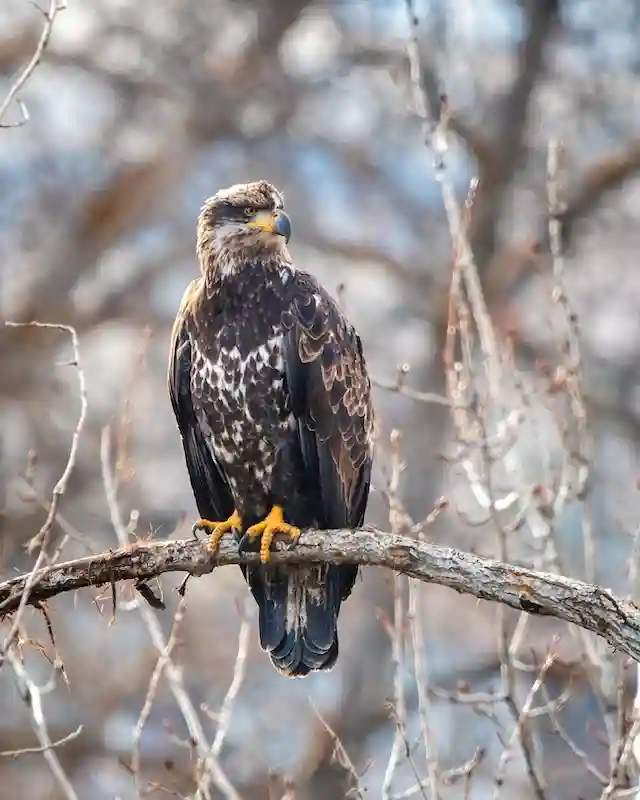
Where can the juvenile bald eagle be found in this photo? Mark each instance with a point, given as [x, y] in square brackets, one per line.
[272, 398]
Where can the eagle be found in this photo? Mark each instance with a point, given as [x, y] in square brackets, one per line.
[272, 399]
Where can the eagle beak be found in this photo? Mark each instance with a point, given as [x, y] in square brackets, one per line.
[272, 222]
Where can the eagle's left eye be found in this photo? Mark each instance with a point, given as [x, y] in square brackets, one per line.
[250, 212]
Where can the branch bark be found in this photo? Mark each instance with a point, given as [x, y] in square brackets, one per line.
[587, 605]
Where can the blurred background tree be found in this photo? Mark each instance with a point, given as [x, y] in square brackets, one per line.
[140, 110]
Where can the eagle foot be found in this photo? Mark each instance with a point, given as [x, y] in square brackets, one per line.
[265, 531]
[218, 529]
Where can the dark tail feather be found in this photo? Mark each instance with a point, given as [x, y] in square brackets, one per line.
[299, 614]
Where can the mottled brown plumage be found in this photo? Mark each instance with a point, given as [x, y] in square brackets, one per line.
[271, 394]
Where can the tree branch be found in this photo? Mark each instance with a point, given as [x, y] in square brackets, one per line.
[54, 7]
[589, 606]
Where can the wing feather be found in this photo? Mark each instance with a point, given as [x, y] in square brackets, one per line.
[330, 396]
[210, 488]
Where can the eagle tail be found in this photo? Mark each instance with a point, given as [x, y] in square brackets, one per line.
[299, 615]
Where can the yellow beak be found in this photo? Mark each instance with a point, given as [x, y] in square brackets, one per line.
[272, 222]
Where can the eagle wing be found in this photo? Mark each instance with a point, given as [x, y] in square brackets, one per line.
[210, 488]
[330, 398]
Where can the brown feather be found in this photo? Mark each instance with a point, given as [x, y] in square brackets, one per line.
[273, 401]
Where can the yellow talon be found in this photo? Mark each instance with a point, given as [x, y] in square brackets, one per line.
[218, 529]
[266, 530]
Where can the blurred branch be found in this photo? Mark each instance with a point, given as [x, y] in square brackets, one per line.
[587, 605]
[210, 768]
[341, 756]
[363, 255]
[497, 155]
[396, 630]
[40, 541]
[603, 177]
[497, 174]
[32, 696]
[16, 48]
[465, 265]
[239, 674]
[54, 7]
[516, 264]
[23, 751]
[480, 146]
[154, 682]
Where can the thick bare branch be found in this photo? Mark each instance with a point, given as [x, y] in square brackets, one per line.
[589, 606]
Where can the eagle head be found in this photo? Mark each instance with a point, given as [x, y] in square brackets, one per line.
[242, 224]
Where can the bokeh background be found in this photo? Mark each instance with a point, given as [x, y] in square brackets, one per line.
[138, 112]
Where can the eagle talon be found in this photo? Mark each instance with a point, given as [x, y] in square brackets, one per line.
[265, 531]
[294, 541]
[217, 529]
[244, 544]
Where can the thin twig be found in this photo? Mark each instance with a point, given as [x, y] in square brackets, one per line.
[571, 378]
[239, 673]
[449, 777]
[33, 698]
[58, 743]
[228, 704]
[41, 538]
[436, 139]
[414, 394]
[154, 682]
[340, 754]
[396, 634]
[559, 728]
[519, 733]
[172, 672]
[422, 687]
[55, 6]
[110, 490]
[397, 630]
[605, 668]
[625, 745]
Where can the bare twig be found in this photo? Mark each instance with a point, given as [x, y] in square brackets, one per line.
[605, 668]
[422, 685]
[397, 630]
[568, 740]
[399, 711]
[239, 672]
[212, 769]
[61, 486]
[341, 755]
[33, 698]
[624, 749]
[414, 394]
[58, 743]
[228, 704]
[464, 770]
[110, 489]
[422, 682]
[519, 734]
[55, 6]
[175, 680]
[449, 777]
[435, 137]
[41, 538]
[154, 682]
[570, 378]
